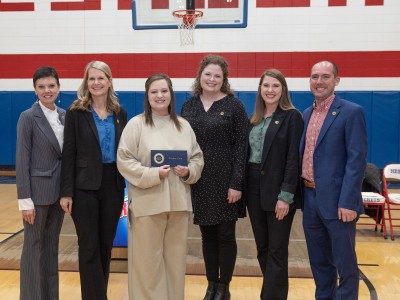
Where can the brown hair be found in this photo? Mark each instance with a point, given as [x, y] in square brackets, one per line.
[285, 103]
[84, 96]
[171, 107]
[215, 60]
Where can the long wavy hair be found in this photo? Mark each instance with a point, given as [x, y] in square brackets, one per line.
[214, 60]
[171, 107]
[285, 103]
[85, 98]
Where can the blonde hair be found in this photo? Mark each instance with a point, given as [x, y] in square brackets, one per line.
[85, 98]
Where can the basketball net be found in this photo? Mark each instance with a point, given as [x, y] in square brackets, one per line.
[186, 20]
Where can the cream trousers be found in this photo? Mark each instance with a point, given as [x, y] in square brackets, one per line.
[157, 248]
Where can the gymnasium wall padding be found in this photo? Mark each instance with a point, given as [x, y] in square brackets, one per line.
[382, 110]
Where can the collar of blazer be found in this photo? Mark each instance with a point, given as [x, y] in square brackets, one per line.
[45, 127]
[61, 115]
[90, 118]
[117, 125]
[276, 122]
[331, 116]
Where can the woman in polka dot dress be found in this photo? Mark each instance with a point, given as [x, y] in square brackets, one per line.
[220, 123]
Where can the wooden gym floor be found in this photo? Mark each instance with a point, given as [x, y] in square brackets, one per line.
[379, 263]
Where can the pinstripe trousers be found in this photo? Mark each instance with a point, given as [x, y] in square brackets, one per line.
[39, 259]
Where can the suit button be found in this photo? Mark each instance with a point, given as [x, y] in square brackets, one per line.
[262, 173]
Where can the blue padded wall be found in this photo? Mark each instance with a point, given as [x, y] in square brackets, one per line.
[20, 101]
[6, 148]
[128, 102]
[382, 111]
[384, 138]
[66, 99]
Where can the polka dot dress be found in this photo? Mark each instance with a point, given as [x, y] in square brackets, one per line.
[222, 135]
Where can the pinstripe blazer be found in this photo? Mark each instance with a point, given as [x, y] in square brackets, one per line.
[38, 157]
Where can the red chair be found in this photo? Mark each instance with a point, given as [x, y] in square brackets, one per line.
[391, 191]
[374, 202]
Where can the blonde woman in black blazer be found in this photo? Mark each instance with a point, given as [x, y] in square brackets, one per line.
[92, 189]
[272, 179]
[38, 165]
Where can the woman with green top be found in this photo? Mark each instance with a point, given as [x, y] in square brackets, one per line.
[272, 179]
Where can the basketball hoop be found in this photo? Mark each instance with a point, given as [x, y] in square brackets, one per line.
[187, 21]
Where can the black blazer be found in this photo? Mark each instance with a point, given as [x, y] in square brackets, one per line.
[82, 165]
[280, 158]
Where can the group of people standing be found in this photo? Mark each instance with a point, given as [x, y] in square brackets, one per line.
[270, 165]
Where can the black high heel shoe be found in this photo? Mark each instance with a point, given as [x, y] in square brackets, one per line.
[211, 290]
[222, 292]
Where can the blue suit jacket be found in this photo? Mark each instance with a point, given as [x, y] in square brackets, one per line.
[339, 157]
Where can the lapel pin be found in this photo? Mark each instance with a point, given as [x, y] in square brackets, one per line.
[276, 122]
[221, 113]
[334, 113]
[118, 121]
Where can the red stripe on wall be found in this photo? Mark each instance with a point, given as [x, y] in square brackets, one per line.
[337, 2]
[23, 6]
[223, 4]
[159, 4]
[85, 5]
[184, 65]
[124, 4]
[283, 3]
[373, 2]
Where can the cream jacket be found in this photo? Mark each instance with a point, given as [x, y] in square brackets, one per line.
[148, 194]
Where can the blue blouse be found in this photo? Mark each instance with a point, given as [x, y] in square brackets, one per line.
[106, 131]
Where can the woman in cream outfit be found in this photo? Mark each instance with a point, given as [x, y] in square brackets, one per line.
[159, 197]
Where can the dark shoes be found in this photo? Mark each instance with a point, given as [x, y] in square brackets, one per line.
[217, 291]
[222, 292]
[211, 290]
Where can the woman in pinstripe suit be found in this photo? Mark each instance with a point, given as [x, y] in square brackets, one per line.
[38, 165]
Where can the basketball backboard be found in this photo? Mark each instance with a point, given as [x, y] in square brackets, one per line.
[157, 14]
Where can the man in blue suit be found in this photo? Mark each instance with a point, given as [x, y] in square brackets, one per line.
[333, 152]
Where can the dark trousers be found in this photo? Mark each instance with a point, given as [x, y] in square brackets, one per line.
[272, 241]
[331, 249]
[39, 258]
[96, 215]
[219, 251]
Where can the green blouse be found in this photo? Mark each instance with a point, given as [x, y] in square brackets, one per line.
[256, 142]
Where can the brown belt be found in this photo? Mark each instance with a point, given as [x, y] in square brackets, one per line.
[309, 184]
